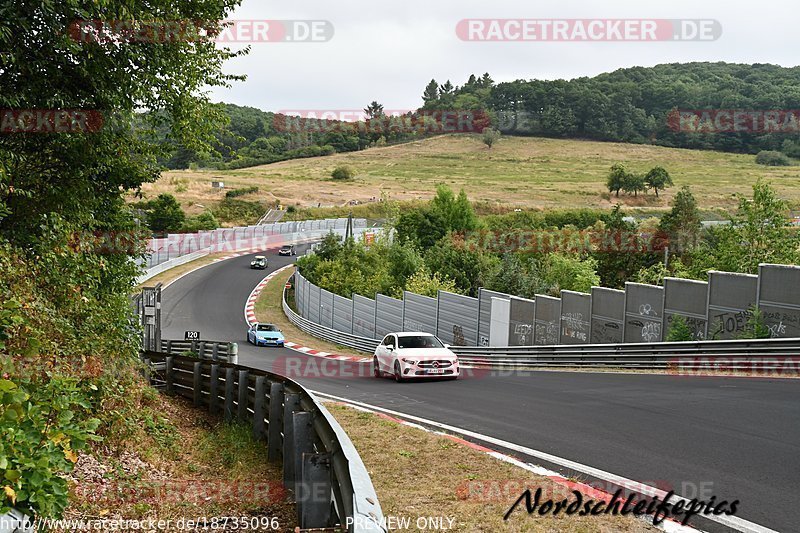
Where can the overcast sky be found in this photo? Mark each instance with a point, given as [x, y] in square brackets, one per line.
[388, 51]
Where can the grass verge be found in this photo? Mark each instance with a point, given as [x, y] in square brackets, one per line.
[269, 308]
[421, 474]
[178, 462]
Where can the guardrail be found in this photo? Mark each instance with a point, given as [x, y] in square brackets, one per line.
[765, 355]
[211, 350]
[321, 467]
[362, 344]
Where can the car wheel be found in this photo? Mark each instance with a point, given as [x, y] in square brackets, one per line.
[398, 376]
[376, 368]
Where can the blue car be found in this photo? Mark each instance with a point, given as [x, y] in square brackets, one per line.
[265, 335]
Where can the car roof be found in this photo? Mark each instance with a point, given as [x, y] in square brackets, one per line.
[260, 257]
[287, 245]
[264, 324]
[414, 333]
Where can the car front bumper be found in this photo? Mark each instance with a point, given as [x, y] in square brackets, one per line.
[415, 371]
[265, 342]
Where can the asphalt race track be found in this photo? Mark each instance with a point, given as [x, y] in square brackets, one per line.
[735, 438]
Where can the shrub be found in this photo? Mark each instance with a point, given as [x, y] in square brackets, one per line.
[343, 172]
[164, 214]
[234, 210]
[679, 330]
[791, 148]
[490, 136]
[203, 221]
[755, 328]
[233, 193]
[772, 158]
[43, 425]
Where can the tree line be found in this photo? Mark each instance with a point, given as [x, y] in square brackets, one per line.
[634, 104]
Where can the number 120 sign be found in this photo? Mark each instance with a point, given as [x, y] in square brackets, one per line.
[192, 336]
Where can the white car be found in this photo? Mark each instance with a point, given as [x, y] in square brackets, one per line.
[414, 354]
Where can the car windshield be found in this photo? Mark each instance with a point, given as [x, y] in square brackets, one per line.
[259, 259]
[286, 247]
[419, 341]
[267, 327]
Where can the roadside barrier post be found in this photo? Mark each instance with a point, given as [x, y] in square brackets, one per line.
[275, 421]
[228, 394]
[197, 375]
[291, 404]
[168, 378]
[314, 510]
[233, 353]
[258, 409]
[303, 437]
[244, 381]
[213, 389]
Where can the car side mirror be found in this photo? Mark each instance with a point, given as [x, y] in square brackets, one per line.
[390, 348]
[447, 346]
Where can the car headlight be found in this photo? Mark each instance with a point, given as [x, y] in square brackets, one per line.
[409, 361]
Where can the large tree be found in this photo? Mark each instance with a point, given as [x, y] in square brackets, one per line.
[657, 178]
[49, 64]
[682, 224]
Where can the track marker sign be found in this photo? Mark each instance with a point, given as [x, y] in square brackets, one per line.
[191, 336]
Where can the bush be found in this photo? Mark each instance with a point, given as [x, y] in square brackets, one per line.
[233, 210]
[791, 148]
[44, 424]
[679, 330]
[754, 327]
[164, 214]
[233, 193]
[343, 172]
[203, 221]
[772, 158]
[490, 136]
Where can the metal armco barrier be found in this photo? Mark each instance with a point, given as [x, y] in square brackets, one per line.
[362, 344]
[321, 467]
[212, 350]
[759, 355]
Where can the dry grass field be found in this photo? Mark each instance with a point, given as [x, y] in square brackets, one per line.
[516, 173]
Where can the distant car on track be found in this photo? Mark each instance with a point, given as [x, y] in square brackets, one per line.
[262, 334]
[259, 262]
[407, 355]
[287, 249]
